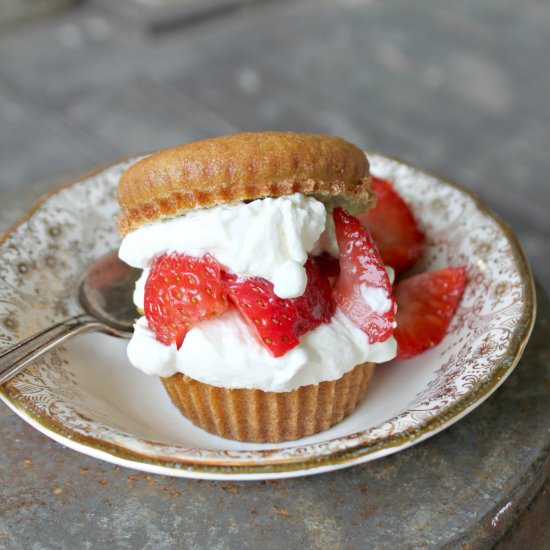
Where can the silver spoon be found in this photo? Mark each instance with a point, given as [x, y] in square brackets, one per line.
[105, 294]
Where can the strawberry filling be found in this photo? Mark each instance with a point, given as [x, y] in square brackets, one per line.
[393, 228]
[278, 323]
[182, 291]
[363, 289]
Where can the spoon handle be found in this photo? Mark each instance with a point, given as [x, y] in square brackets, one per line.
[18, 356]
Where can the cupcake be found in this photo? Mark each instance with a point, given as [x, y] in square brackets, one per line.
[265, 305]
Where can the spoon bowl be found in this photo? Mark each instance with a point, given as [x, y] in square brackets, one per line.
[106, 290]
[105, 295]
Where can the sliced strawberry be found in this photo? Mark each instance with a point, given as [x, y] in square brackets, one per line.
[426, 304]
[363, 290]
[278, 322]
[316, 305]
[271, 318]
[181, 291]
[393, 228]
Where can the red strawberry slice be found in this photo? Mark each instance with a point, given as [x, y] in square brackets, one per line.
[316, 305]
[426, 304]
[272, 319]
[363, 290]
[393, 228]
[180, 292]
[278, 323]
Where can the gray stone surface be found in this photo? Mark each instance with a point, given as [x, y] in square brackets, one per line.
[460, 89]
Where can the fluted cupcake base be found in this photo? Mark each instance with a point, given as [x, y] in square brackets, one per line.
[269, 417]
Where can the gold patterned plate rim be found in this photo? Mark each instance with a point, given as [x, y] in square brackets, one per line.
[262, 466]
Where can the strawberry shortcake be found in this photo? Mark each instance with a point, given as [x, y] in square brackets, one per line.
[265, 301]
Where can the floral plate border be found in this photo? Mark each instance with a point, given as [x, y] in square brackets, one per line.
[425, 420]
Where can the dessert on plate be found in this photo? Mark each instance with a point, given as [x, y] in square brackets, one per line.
[266, 295]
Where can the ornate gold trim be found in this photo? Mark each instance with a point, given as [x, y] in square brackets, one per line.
[236, 467]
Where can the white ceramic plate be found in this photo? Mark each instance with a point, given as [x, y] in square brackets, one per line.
[87, 396]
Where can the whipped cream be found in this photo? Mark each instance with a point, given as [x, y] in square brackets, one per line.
[224, 352]
[327, 241]
[139, 290]
[268, 238]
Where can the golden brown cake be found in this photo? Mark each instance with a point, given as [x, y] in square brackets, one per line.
[242, 167]
[269, 417]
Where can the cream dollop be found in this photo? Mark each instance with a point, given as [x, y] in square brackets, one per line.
[223, 352]
[268, 238]
[289, 279]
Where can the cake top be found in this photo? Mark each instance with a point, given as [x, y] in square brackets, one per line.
[241, 167]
